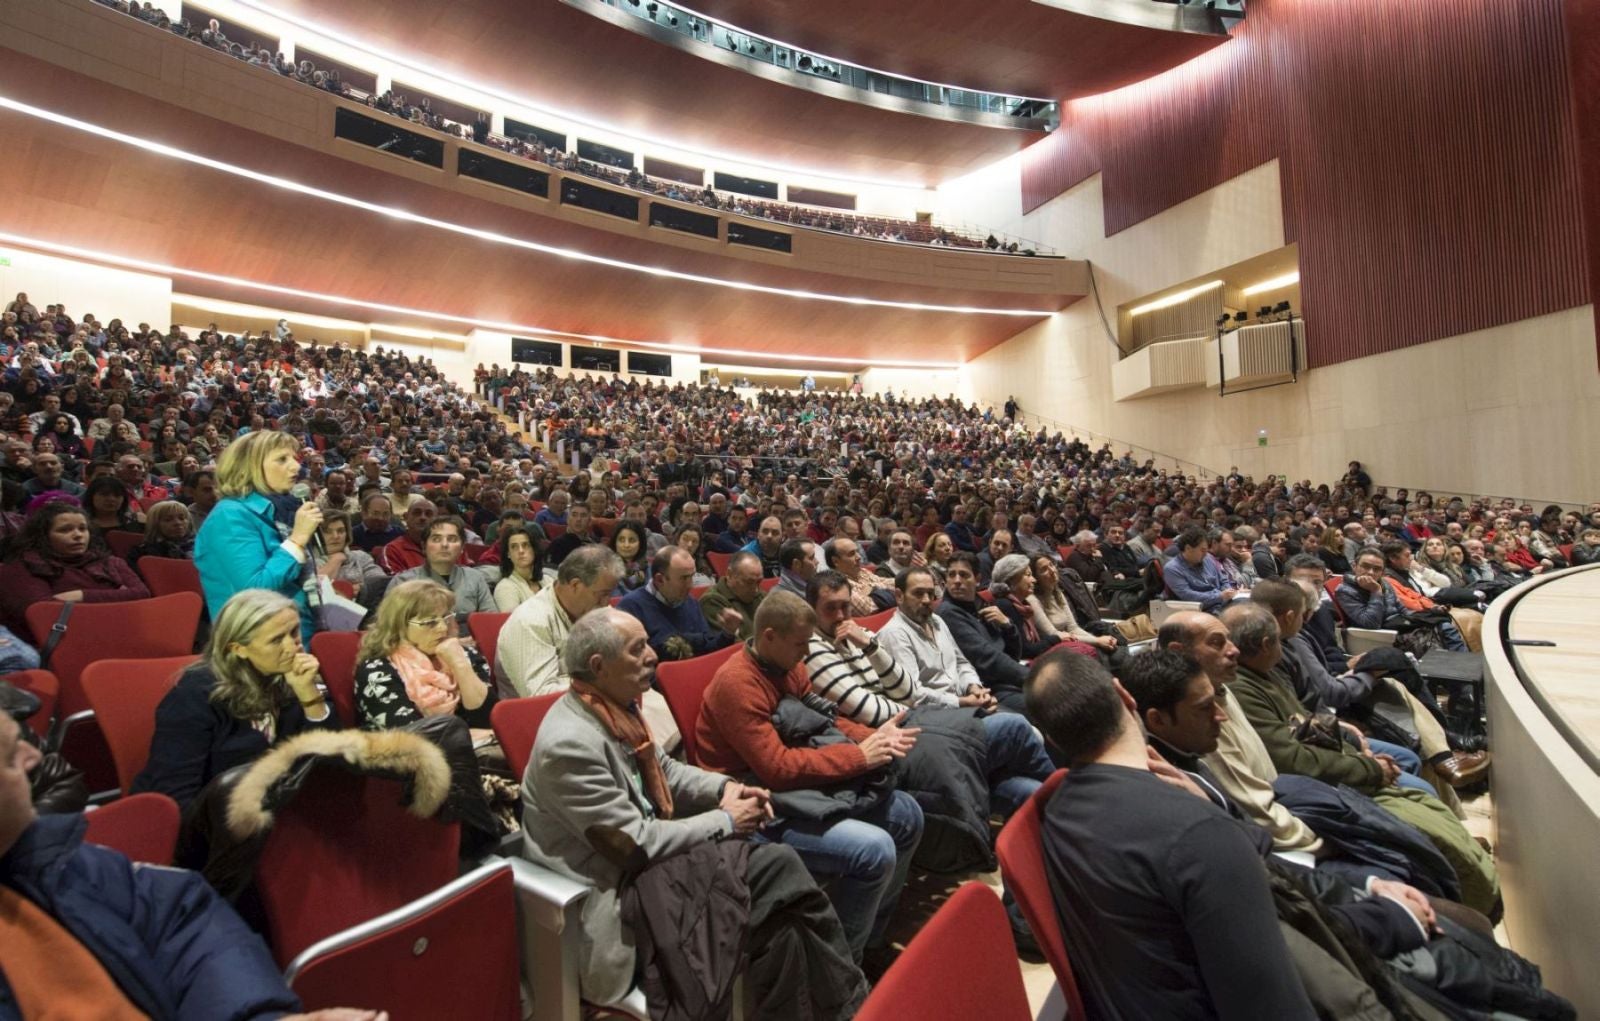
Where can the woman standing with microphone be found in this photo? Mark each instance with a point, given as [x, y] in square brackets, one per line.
[258, 534]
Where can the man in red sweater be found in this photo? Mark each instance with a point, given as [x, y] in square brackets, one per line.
[865, 853]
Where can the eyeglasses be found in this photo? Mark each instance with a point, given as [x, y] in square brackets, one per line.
[431, 621]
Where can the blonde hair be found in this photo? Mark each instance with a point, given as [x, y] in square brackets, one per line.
[241, 690]
[403, 602]
[241, 468]
[156, 516]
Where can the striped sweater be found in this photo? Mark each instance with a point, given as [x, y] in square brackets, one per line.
[867, 684]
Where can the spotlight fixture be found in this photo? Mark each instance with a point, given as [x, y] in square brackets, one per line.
[805, 64]
[1241, 316]
[1282, 306]
[651, 9]
[1222, 319]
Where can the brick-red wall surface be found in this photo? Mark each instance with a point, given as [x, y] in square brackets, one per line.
[1429, 153]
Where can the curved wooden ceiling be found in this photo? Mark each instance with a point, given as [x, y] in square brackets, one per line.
[1019, 47]
[67, 186]
[571, 61]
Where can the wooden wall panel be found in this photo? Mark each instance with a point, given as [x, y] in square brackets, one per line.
[1427, 150]
[1583, 46]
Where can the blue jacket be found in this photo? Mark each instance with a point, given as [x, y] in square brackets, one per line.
[1203, 584]
[685, 620]
[173, 947]
[240, 546]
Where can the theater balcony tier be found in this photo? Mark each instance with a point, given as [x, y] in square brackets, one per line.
[484, 248]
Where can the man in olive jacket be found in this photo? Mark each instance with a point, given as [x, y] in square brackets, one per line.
[739, 588]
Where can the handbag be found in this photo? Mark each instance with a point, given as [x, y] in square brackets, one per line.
[1319, 730]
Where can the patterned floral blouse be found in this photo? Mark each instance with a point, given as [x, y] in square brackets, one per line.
[382, 702]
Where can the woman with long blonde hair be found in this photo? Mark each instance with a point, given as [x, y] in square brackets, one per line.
[255, 686]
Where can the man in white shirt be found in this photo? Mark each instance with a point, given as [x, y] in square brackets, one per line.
[528, 653]
[921, 645]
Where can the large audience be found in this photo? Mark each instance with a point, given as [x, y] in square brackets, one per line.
[420, 113]
[912, 611]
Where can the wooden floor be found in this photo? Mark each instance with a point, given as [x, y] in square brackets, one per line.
[1565, 611]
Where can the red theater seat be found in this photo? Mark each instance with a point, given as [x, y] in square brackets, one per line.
[683, 683]
[143, 827]
[336, 654]
[166, 575]
[516, 724]
[125, 694]
[485, 631]
[1020, 849]
[962, 966]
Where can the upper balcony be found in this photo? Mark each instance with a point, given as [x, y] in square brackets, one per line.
[142, 145]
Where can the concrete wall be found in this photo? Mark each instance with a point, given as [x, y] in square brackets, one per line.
[1513, 410]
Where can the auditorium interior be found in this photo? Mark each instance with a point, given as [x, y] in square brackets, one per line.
[1032, 509]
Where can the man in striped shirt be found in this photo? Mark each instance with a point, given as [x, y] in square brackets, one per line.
[848, 668]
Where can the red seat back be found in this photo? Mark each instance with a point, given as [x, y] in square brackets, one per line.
[1332, 585]
[403, 961]
[336, 653]
[768, 584]
[471, 551]
[698, 591]
[554, 531]
[961, 966]
[136, 629]
[344, 851]
[719, 562]
[875, 622]
[167, 575]
[143, 827]
[516, 725]
[42, 684]
[122, 543]
[485, 630]
[125, 694]
[606, 527]
[1020, 849]
[683, 683]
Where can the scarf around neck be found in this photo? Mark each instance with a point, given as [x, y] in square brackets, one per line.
[626, 725]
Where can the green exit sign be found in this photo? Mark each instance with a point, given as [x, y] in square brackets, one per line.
[5, 260]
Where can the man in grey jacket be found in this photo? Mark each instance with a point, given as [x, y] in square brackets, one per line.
[583, 774]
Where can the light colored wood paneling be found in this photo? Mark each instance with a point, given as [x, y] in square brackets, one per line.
[1547, 798]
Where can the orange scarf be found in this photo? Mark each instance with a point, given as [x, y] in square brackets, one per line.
[51, 974]
[626, 725]
[432, 690]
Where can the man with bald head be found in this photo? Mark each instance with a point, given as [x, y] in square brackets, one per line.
[1239, 763]
[406, 552]
[671, 616]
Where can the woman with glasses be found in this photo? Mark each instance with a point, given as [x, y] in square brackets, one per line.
[411, 664]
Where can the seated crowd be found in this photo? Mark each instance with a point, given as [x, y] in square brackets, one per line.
[908, 614]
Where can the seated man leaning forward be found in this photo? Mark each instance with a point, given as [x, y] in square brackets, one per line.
[597, 788]
[836, 805]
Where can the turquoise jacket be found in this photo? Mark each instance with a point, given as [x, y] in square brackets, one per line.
[240, 546]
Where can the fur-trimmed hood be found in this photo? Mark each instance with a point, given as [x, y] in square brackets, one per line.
[274, 779]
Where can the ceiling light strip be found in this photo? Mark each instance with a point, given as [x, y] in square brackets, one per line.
[488, 90]
[484, 235]
[1276, 283]
[147, 266]
[1177, 298]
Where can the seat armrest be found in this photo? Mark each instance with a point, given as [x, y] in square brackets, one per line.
[1359, 639]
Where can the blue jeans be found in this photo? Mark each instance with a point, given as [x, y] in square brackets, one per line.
[862, 860]
[1410, 765]
[1018, 762]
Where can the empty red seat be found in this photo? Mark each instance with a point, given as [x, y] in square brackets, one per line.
[876, 621]
[516, 724]
[125, 694]
[166, 575]
[962, 966]
[485, 631]
[336, 655]
[412, 961]
[143, 827]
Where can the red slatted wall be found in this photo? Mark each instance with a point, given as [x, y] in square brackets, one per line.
[1428, 154]
[1583, 43]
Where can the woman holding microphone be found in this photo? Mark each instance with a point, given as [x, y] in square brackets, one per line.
[258, 534]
